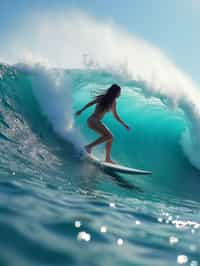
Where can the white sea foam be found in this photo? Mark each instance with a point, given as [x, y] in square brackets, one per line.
[53, 92]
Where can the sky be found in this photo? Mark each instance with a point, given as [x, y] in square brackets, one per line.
[171, 25]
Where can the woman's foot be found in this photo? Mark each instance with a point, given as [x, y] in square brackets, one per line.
[110, 161]
[88, 149]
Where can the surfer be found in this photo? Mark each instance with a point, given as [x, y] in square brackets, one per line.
[105, 102]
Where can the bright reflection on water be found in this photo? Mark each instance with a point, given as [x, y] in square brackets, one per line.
[103, 229]
[83, 236]
[182, 259]
[94, 220]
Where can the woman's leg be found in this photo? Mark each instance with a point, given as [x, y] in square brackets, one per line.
[95, 143]
[105, 136]
[108, 150]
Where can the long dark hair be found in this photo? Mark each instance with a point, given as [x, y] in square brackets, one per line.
[106, 99]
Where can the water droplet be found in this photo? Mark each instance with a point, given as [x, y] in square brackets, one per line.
[120, 241]
[103, 229]
[170, 218]
[77, 224]
[112, 205]
[173, 240]
[182, 259]
[83, 236]
[196, 226]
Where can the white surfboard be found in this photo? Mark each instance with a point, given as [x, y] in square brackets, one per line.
[115, 167]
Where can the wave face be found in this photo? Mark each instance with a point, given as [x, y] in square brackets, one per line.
[158, 132]
[39, 98]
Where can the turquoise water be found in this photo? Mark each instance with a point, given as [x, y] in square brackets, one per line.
[56, 209]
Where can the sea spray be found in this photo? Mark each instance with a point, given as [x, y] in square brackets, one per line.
[53, 91]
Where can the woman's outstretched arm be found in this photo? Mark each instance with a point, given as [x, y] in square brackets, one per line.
[86, 106]
[114, 111]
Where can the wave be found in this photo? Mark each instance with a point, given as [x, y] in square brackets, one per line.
[38, 96]
[126, 58]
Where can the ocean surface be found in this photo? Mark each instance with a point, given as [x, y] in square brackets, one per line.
[58, 209]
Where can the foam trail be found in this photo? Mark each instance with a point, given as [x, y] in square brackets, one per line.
[73, 39]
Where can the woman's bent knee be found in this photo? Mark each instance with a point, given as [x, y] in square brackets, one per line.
[109, 137]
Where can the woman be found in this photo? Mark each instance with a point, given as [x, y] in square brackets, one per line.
[105, 102]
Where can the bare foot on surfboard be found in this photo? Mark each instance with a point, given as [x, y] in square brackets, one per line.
[110, 161]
